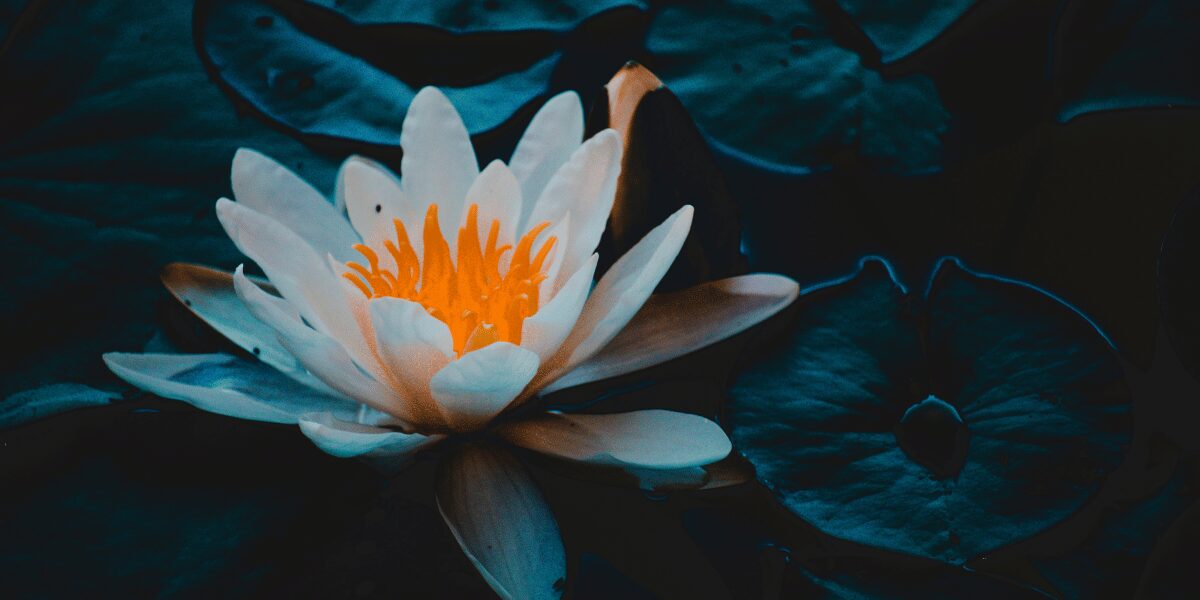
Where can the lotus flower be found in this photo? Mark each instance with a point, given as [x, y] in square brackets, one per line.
[416, 310]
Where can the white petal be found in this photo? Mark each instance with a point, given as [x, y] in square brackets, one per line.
[373, 197]
[301, 275]
[480, 384]
[210, 295]
[498, 195]
[347, 438]
[620, 293]
[553, 134]
[413, 346]
[439, 162]
[502, 523]
[651, 439]
[671, 325]
[585, 187]
[326, 359]
[562, 232]
[545, 331]
[224, 384]
[273, 190]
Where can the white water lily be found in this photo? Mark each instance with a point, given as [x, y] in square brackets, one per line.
[413, 310]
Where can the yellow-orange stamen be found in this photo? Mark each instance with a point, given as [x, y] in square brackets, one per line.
[468, 292]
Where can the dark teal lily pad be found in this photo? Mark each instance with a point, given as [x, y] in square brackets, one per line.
[113, 156]
[1128, 54]
[318, 74]
[900, 29]
[1110, 562]
[767, 83]
[828, 419]
[342, 76]
[477, 15]
[756, 564]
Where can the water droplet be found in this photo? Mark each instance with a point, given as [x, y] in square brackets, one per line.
[378, 208]
[257, 351]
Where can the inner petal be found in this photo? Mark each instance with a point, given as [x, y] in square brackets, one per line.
[481, 297]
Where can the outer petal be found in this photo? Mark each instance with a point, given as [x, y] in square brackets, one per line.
[321, 355]
[346, 438]
[620, 293]
[297, 271]
[498, 195]
[413, 346]
[372, 197]
[648, 439]
[439, 162]
[553, 134]
[584, 187]
[270, 188]
[226, 385]
[544, 332]
[502, 523]
[480, 384]
[671, 325]
[210, 295]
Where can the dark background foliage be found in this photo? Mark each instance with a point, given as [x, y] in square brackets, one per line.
[1050, 142]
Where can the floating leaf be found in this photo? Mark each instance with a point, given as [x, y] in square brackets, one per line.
[944, 426]
[1123, 54]
[901, 29]
[90, 218]
[470, 15]
[767, 83]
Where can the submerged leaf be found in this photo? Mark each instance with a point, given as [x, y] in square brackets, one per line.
[829, 418]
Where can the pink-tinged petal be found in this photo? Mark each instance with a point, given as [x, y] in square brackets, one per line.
[584, 187]
[502, 522]
[644, 439]
[553, 134]
[373, 198]
[326, 359]
[620, 294]
[625, 91]
[413, 345]
[544, 332]
[498, 195]
[480, 384]
[345, 439]
[301, 275]
[273, 190]
[671, 325]
[225, 385]
[439, 162]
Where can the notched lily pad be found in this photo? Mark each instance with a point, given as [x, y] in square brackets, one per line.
[1123, 55]
[943, 424]
[900, 29]
[768, 84]
[315, 72]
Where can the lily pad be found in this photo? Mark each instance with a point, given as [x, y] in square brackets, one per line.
[473, 15]
[767, 83]
[342, 76]
[1126, 54]
[900, 29]
[943, 424]
[113, 156]
[756, 564]
[316, 73]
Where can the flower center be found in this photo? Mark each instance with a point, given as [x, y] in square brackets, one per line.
[468, 293]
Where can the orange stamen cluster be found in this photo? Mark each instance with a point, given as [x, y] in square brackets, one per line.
[469, 294]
